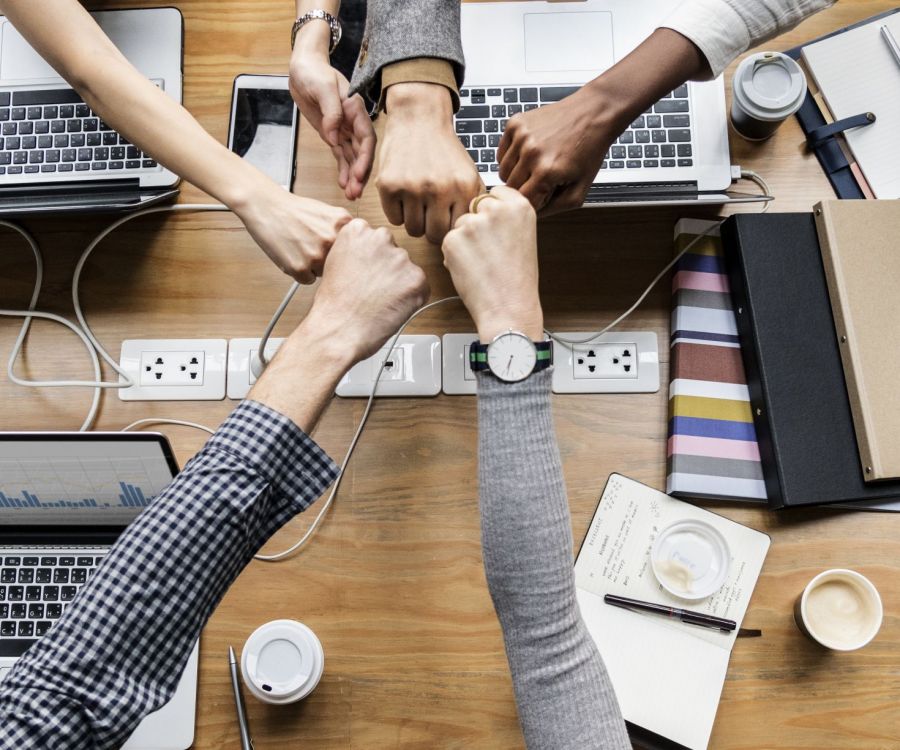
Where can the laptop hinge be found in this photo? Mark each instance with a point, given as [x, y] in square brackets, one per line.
[82, 188]
[624, 189]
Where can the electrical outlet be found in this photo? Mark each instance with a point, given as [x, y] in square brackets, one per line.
[625, 362]
[174, 369]
[412, 368]
[240, 354]
[593, 361]
[459, 380]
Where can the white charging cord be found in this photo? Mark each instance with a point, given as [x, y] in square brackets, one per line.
[749, 174]
[261, 361]
[275, 557]
[572, 342]
[82, 330]
[164, 420]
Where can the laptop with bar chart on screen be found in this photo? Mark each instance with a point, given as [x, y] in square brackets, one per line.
[65, 497]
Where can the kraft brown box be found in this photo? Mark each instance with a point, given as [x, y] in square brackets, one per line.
[860, 244]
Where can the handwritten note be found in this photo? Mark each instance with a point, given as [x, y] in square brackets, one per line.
[615, 557]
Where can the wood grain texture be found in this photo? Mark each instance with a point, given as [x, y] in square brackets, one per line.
[393, 583]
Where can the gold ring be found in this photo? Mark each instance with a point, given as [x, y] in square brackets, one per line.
[476, 201]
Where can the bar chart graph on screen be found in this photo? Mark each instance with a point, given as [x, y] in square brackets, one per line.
[67, 482]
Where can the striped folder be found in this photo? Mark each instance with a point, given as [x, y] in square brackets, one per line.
[712, 450]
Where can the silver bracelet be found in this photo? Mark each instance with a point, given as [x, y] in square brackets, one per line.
[321, 15]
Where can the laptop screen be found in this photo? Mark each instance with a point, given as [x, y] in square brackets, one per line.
[60, 479]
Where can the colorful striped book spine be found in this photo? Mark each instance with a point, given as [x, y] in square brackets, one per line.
[712, 449]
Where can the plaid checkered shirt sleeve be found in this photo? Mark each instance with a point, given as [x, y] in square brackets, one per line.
[118, 652]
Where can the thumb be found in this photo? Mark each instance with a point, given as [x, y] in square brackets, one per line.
[332, 110]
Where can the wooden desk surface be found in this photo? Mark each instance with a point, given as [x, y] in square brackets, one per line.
[393, 583]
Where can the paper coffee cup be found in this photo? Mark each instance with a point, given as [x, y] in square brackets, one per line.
[282, 662]
[839, 609]
[768, 88]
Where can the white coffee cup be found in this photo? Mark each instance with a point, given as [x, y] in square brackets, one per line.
[282, 662]
[768, 88]
[839, 609]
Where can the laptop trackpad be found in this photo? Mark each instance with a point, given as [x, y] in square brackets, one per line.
[576, 41]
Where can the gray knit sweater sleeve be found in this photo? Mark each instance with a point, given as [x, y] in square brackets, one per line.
[563, 692]
[403, 30]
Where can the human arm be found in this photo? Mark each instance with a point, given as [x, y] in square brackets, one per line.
[323, 98]
[120, 648]
[294, 232]
[412, 64]
[553, 153]
[563, 692]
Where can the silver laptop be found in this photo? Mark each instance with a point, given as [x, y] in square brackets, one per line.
[523, 55]
[56, 154]
[64, 499]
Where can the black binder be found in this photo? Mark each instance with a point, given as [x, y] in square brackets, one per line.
[798, 395]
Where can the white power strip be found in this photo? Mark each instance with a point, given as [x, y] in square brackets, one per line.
[174, 369]
[459, 380]
[240, 355]
[411, 368]
[625, 362]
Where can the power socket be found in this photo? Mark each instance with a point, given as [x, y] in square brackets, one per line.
[174, 369]
[412, 368]
[614, 363]
[459, 380]
[240, 355]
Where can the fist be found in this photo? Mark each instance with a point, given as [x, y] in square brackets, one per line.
[492, 258]
[370, 286]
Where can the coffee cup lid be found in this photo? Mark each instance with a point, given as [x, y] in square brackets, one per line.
[282, 661]
[690, 558]
[769, 86]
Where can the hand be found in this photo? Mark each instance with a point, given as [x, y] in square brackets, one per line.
[369, 288]
[342, 122]
[425, 177]
[295, 232]
[492, 258]
[552, 154]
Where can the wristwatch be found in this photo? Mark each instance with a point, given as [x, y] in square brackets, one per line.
[321, 15]
[511, 356]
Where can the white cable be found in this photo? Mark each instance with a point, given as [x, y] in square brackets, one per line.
[261, 350]
[164, 420]
[84, 331]
[749, 174]
[26, 324]
[637, 302]
[79, 267]
[362, 423]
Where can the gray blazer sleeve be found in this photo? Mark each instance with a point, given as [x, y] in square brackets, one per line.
[406, 29]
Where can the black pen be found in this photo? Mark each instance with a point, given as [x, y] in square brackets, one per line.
[685, 615]
[246, 742]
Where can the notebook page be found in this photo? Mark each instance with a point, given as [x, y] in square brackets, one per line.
[668, 675]
[857, 73]
[615, 556]
[664, 682]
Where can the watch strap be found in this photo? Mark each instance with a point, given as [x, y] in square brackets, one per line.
[478, 360]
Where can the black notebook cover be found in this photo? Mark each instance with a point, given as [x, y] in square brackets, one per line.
[798, 396]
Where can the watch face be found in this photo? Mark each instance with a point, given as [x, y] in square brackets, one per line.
[511, 357]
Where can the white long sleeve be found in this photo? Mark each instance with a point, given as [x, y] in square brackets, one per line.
[723, 29]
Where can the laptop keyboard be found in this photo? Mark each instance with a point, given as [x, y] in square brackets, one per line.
[660, 138]
[36, 588]
[52, 130]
